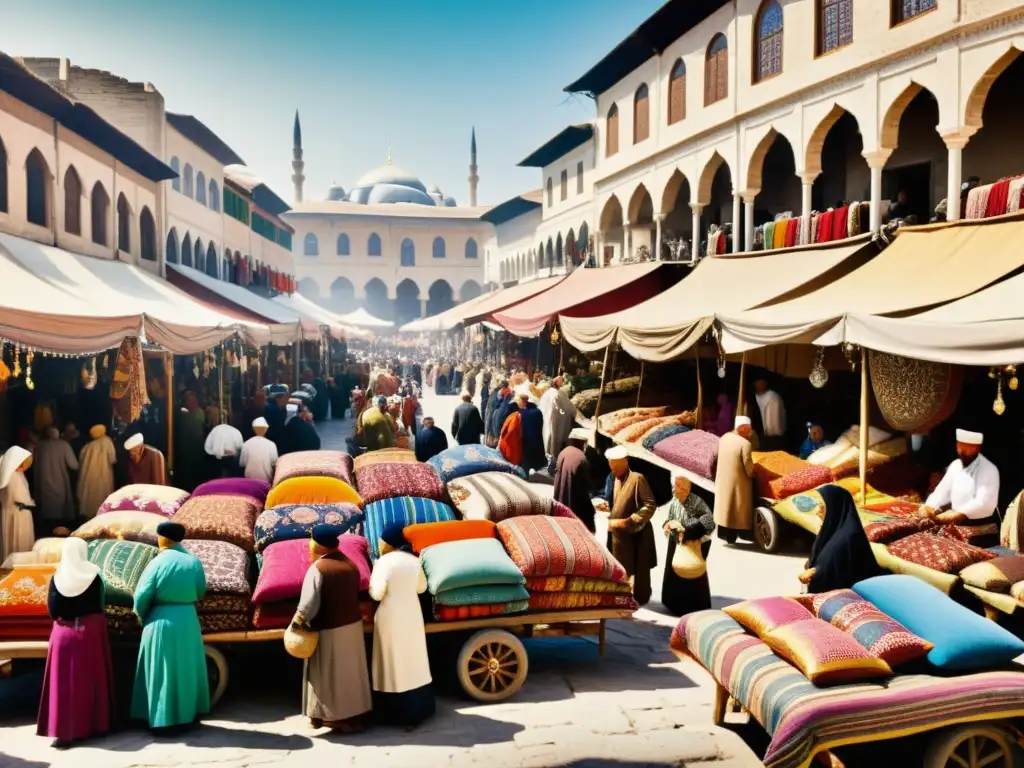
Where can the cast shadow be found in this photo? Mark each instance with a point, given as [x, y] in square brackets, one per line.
[448, 728]
[215, 737]
[9, 761]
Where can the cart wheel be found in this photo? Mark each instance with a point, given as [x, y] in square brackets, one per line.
[216, 672]
[767, 529]
[492, 665]
[969, 746]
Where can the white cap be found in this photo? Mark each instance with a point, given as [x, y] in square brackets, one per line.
[292, 408]
[133, 442]
[741, 421]
[579, 433]
[970, 438]
[260, 422]
[616, 452]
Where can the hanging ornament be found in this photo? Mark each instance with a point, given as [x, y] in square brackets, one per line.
[999, 406]
[555, 336]
[106, 362]
[850, 351]
[5, 375]
[28, 372]
[819, 373]
[195, 366]
[17, 361]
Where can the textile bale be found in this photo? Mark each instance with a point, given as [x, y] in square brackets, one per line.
[127, 526]
[383, 456]
[336, 464]
[914, 395]
[496, 496]
[121, 564]
[24, 591]
[312, 490]
[296, 521]
[482, 594]
[656, 435]
[158, 499]
[462, 460]
[555, 546]
[386, 481]
[220, 518]
[695, 450]
[274, 615]
[463, 612]
[568, 601]
[212, 623]
[575, 584]
[406, 510]
[252, 488]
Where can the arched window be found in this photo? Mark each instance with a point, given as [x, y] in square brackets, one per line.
[201, 188]
[37, 185]
[186, 250]
[212, 262]
[835, 24]
[408, 254]
[214, 195]
[124, 224]
[563, 186]
[551, 192]
[439, 250]
[311, 246]
[100, 203]
[186, 180]
[641, 114]
[171, 249]
[343, 248]
[611, 144]
[768, 50]
[677, 93]
[716, 70]
[147, 235]
[373, 245]
[471, 249]
[199, 256]
[176, 181]
[905, 10]
[72, 202]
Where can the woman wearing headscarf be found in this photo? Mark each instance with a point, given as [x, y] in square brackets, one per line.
[78, 682]
[17, 528]
[689, 519]
[96, 477]
[402, 686]
[841, 555]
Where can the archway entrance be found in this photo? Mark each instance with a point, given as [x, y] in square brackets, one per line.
[407, 302]
[343, 295]
[439, 298]
[773, 171]
[641, 226]
[377, 302]
[612, 232]
[677, 228]
[845, 175]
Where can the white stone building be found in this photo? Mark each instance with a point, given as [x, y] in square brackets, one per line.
[390, 244]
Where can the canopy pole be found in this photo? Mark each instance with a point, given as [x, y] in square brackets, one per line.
[600, 392]
[540, 342]
[296, 363]
[169, 376]
[640, 387]
[700, 389]
[863, 425]
[220, 393]
[741, 401]
[561, 353]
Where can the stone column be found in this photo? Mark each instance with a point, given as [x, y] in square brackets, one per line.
[748, 219]
[658, 218]
[876, 162]
[737, 240]
[598, 250]
[955, 143]
[807, 186]
[627, 242]
[695, 250]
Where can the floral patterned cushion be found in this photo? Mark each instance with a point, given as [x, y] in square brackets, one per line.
[296, 521]
[890, 528]
[220, 518]
[465, 460]
[767, 613]
[695, 450]
[824, 653]
[336, 464]
[159, 499]
[312, 490]
[127, 526]
[121, 564]
[24, 591]
[388, 481]
[937, 552]
[226, 566]
[496, 496]
[384, 456]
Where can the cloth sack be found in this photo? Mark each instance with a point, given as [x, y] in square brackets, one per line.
[687, 561]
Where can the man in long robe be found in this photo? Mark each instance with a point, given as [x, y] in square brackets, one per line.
[171, 685]
[17, 527]
[773, 416]
[337, 684]
[259, 455]
[969, 491]
[322, 401]
[96, 473]
[630, 534]
[276, 415]
[54, 461]
[376, 428]
[496, 402]
[430, 441]
[572, 478]
[559, 418]
[734, 490]
[300, 434]
[146, 464]
[467, 424]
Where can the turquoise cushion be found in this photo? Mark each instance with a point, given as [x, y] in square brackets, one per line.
[468, 563]
[963, 640]
[483, 594]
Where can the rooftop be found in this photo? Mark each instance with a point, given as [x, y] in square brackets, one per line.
[558, 146]
[262, 195]
[516, 206]
[392, 210]
[196, 132]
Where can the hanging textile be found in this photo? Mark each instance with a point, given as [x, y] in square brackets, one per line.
[914, 395]
[1014, 194]
[128, 388]
[792, 232]
[977, 202]
[997, 198]
[824, 227]
[853, 220]
[839, 219]
[779, 233]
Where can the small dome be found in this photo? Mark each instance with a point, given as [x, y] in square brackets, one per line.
[336, 193]
[450, 202]
[393, 193]
[391, 174]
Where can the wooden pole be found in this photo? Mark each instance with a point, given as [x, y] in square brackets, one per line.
[561, 352]
[220, 393]
[169, 376]
[297, 362]
[641, 385]
[863, 425]
[700, 388]
[600, 392]
[741, 401]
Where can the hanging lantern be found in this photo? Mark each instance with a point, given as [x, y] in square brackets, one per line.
[819, 373]
[17, 361]
[555, 337]
[999, 406]
[914, 395]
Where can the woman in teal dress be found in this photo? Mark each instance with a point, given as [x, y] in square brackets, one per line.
[171, 686]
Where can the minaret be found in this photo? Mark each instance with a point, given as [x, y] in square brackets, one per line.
[297, 165]
[473, 178]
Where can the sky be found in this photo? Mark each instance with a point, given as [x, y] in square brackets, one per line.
[415, 74]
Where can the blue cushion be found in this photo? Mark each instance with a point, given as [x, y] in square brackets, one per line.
[482, 594]
[468, 563]
[406, 510]
[963, 640]
[463, 460]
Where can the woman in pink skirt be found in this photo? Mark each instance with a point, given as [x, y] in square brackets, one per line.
[77, 686]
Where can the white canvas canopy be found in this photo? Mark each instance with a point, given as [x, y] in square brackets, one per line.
[363, 319]
[304, 307]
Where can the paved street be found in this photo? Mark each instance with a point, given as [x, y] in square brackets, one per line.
[637, 706]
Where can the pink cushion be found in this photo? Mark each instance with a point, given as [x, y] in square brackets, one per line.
[695, 450]
[235, 486]
[285, 564]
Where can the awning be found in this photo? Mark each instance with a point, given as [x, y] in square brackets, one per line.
[300, 305]
[666, 326]
[504, 299]
[590, 292]
[363, 319]
[444, 321]
[64, 302]
[924, 267]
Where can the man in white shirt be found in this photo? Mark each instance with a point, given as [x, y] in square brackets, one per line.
[773, 416]
[969, 491]
[259, 455]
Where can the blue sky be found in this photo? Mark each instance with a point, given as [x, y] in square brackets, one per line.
[416, 73]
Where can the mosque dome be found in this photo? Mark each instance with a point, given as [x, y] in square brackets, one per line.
[450, 202]
[336, 193]
[390, 184]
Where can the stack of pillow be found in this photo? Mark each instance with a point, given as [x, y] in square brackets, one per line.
[638, 432]
[496, 496]
[23, 596]
[403, 510]
[695, 450]
[335, 464]
[565, 567]
[780, 475]
[121, 565]
[464, 460]
[227, 604]
[387, 479]
[472, 578]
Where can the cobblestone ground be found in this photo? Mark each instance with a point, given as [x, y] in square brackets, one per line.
[637, 706]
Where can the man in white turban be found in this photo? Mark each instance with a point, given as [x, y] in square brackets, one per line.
[146, 464]
[969, 491]
[259, 455]
[734, 490]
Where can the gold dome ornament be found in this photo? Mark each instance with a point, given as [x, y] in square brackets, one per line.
[555, 336]
[999, 406]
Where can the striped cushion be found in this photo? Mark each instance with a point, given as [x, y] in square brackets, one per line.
[557, 546]
[403, 509]
[496, 496]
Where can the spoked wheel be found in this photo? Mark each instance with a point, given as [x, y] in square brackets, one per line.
[970, 746]
[216, 672]
[767, 529]
[492, 665]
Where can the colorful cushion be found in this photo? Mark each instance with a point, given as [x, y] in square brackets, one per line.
[213, 602]
[251, 487]
[660, 433]
[388, 481]
[24, 591]
[274, 615]
[801, 480]
[463, 612]
[567, 601]
[636, 432]
[824, 653]
[456, 564]
[423, 535]
[963, 640]
[384, 456]
[695, 450]
[220, 518]
[284, 567]
[296, 521]
[773, 465]
[496, 496]
[226, 566]
[312, 490]
[336, 464]
[127, 526]
[767, 613]
[121, 564]
[575, 584]
[966, 533]
[48, 550]
[557, 546]
[159, 499]
[995, 575]
[889, 528]
[407, 510]
[463, 460]
[482, 594]
[357, 549]
[938, 553]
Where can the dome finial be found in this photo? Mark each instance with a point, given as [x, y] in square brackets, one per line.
[389, 153]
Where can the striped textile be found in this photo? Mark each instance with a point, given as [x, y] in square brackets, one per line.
[496, 496]
[557, 546]
[405, 509]
[803, 719]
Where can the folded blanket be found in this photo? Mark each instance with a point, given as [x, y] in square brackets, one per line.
[575, 584]
[557, 546]
[463, 612]
[564, 601]
[656, 435]
[471, 563]
[482, 594]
